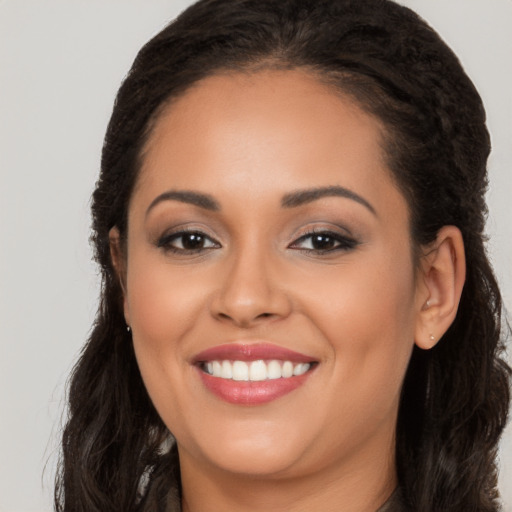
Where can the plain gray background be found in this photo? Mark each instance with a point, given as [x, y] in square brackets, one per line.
[61, 62]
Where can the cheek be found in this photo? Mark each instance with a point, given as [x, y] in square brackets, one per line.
[163, 302]
[367, 314]
[368, 320]
[369, 294]
[163, 306]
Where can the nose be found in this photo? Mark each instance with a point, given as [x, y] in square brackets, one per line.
[250, 291]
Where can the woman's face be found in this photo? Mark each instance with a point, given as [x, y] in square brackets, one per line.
[269, 281]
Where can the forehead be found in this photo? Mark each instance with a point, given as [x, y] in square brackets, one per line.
[266, 131]
[265, 99]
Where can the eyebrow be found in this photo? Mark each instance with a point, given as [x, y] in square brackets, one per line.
[185, 196]
[301, 197]
[291, 200]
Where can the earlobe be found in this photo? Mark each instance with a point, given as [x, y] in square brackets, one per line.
[443, 272]
[119, 263]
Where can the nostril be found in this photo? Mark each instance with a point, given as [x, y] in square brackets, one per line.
[242, 320]
[235, 304]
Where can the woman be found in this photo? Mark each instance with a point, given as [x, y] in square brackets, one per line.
[297, 310]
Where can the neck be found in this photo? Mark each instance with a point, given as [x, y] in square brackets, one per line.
[354, 486]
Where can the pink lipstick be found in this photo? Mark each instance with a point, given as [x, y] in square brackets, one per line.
[252, 374]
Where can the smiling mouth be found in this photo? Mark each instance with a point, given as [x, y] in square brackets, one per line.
[252, 374]
[254, 371]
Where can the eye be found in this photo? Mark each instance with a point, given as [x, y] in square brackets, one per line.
[187, 242]
[323, 242]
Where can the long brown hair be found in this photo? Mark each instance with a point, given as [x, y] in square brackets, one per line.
[455, 397]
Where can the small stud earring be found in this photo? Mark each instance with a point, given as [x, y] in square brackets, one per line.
[427, 304]
[128, 328]
[432, 338]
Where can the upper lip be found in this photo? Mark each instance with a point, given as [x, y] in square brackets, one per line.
[250, 352]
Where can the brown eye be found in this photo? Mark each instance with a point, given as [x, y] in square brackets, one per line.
[187, 241]
[323, 242]
[191, 241]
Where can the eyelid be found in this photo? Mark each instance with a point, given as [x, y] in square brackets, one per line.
[345, 242]
[315, 227]
[174, 236]
[164, 241]
[185, 227]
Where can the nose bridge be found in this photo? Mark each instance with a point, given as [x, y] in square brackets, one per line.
[250, 289]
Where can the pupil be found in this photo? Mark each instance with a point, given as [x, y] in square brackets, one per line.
[323, 242]
[193, 241]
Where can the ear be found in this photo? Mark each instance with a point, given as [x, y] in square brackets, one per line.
[439, 288]
[119, 262]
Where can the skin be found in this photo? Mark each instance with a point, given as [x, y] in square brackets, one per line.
[248, 140]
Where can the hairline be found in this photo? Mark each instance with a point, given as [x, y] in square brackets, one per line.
[335, 81]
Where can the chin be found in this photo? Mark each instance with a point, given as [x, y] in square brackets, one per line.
[252, 451]
[253, 462]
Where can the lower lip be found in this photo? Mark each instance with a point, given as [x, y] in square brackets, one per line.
[251, 393]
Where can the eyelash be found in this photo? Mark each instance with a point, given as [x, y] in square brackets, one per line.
[166, 242]
[343, 243]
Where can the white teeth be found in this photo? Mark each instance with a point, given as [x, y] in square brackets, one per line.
[273, 370]
[217, 368]
[227, 370]
[287, 370]
[256, 370]
[300, 369]
[240, 370]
